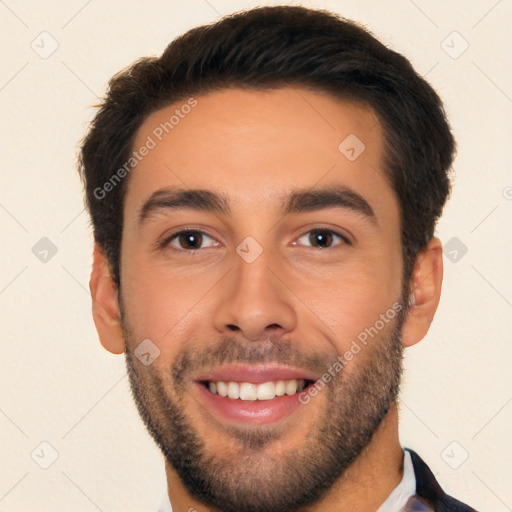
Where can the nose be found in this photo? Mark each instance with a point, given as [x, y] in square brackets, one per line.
[255, 302]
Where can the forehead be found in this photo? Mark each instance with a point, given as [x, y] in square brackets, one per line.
[255, 146]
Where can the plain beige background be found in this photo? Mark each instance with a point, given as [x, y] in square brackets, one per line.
[59, 387]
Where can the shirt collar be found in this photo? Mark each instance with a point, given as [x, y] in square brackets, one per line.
[403, 491]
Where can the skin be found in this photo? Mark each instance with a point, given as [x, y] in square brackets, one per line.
[256, 147]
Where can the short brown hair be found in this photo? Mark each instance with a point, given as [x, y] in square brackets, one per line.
[270, 47]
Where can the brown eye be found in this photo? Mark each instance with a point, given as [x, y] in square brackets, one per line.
[322, 239]
[190, 240]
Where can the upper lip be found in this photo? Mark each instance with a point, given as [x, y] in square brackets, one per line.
[255, 373]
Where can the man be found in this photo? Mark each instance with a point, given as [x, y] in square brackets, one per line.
[264, 197]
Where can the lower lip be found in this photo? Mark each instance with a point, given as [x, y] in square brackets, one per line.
[257, 412]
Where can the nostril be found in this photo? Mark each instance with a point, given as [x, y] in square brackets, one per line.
[232, 327]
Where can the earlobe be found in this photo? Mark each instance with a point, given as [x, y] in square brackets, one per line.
[105, 304]
[426, 286]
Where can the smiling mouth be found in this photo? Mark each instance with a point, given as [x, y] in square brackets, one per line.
[250, 391]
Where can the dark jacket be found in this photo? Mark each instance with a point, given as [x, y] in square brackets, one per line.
[428, 488]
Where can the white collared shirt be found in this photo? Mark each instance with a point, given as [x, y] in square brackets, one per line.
[395, 502]
[403, 491]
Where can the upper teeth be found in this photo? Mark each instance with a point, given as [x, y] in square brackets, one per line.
[262, 391]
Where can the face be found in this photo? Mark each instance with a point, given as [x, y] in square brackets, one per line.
[261, 258]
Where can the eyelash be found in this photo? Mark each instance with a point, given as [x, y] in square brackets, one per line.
[166, 243]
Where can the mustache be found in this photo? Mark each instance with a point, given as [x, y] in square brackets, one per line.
[190, 361]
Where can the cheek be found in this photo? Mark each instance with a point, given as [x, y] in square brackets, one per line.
[167, 307]
[349, 302]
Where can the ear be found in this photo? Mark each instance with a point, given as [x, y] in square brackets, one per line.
[426, 282]
[105, 304]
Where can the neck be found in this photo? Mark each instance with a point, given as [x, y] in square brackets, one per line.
[372, 476]
[364, 486]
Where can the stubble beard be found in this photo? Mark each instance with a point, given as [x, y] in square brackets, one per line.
[257, 480]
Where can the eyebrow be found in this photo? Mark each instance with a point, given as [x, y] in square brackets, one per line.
[299, 201]
[307, 200]
[173, 199]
